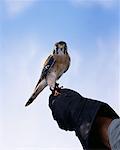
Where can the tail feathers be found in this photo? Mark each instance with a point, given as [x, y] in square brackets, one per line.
[37, 90]
[29, 101]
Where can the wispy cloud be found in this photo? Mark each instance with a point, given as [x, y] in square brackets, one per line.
[15, 7]
[89, 3]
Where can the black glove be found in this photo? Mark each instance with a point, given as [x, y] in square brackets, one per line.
[76, 113]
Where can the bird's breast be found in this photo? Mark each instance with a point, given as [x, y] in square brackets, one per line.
[62, 59]
[62, 62]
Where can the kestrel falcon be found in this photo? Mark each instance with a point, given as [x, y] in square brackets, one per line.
[55, 65]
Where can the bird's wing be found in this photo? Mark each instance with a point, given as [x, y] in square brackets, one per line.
[42, 82]
[50, 61]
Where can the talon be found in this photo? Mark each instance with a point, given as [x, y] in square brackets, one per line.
[56, 85]
[56, 90]
[51, 89]
[56, 93]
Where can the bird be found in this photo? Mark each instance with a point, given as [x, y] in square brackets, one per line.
[55, 65]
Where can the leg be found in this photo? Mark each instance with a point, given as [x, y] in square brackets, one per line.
[56, 90]
[51, 81]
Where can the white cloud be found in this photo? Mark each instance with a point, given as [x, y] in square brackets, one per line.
[89, 3]
[15, 7]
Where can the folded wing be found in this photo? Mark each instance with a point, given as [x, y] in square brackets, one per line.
[42, 81]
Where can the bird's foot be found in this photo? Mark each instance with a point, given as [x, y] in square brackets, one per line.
[56, 93]
[56, 90]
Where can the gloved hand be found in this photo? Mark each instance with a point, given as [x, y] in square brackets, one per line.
[73, 112]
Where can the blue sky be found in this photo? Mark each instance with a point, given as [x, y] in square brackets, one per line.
[28, 31]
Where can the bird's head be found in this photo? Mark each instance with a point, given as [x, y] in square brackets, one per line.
[60, 48]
